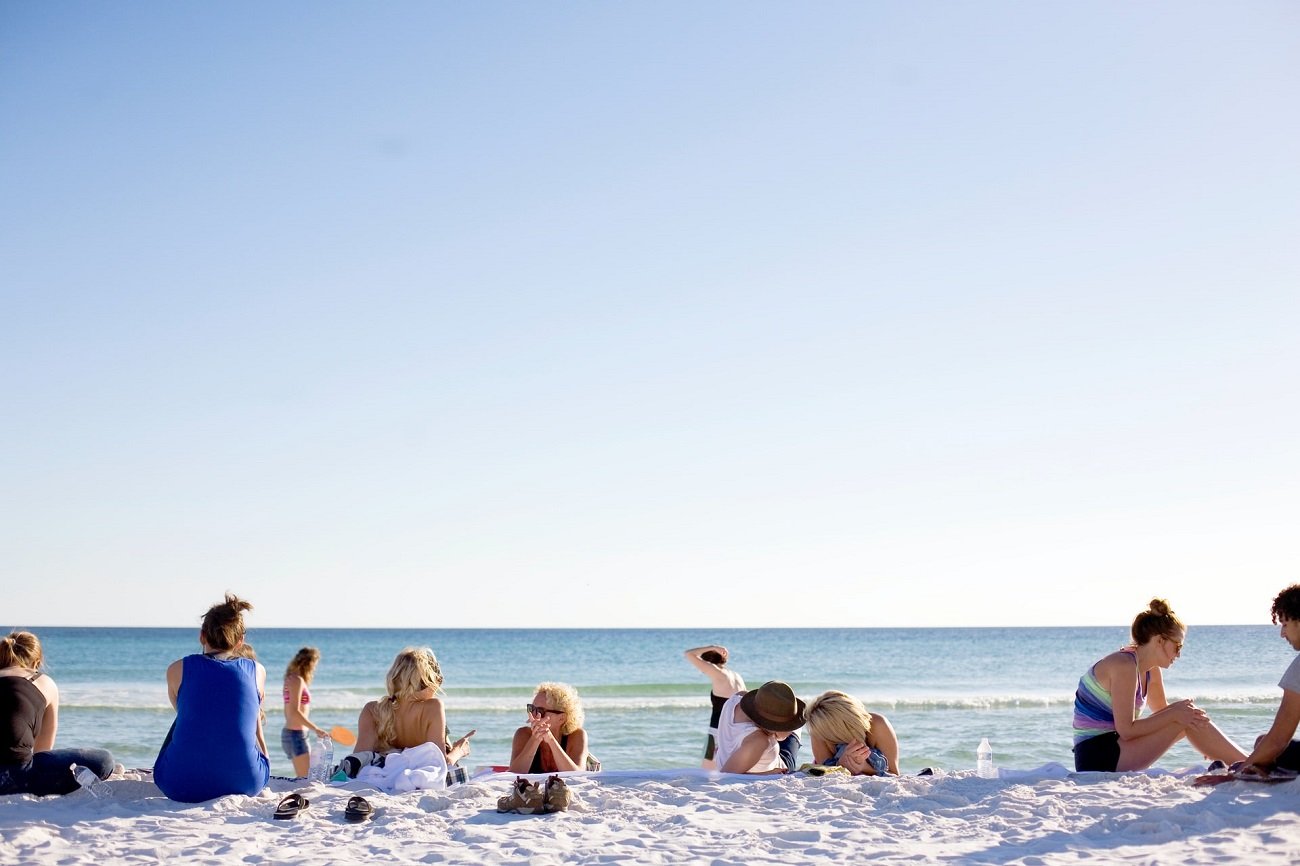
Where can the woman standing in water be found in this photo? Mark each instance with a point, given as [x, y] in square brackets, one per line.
[297, 704]
[1109, 736]
[711, 661]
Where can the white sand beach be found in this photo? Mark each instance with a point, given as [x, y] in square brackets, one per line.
[1039, 817]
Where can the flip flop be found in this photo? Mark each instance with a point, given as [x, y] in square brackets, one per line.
[358, 810]
[290, 806]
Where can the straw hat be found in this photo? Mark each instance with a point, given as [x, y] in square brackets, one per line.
[773, 707]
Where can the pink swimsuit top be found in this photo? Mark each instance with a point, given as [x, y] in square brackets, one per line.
[306, 696]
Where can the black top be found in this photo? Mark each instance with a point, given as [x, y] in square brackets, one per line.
[22, 709]
[718, 704]
[537, 756]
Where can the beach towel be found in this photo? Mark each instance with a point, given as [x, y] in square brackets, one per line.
[422, 767]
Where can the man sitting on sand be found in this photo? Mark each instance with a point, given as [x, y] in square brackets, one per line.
[753, 724]
[1276, 747]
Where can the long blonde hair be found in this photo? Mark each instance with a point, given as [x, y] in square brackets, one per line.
[838, 718]
[414, 670]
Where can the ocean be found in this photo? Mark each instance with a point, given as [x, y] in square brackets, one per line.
[647, 707]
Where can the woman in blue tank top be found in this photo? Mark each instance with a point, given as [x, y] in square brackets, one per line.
[216, 746]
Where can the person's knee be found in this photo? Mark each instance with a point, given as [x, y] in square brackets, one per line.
[99, 760]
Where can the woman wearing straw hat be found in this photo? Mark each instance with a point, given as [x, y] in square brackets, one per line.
[752, 725]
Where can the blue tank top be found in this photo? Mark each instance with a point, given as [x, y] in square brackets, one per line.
[211, 749]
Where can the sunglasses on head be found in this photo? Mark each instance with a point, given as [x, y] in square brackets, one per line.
[534, 710]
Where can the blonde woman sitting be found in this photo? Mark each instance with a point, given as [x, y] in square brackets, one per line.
[411, 713]
[844, 734]
[556, 708]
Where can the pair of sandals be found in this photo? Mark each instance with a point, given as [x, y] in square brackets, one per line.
[357, 810]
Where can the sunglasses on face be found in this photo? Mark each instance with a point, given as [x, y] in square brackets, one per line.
[1178, 645]
[534, 710]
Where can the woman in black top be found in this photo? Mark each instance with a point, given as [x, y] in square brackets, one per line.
[29, 720]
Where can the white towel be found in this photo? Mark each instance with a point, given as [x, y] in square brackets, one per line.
[423, 767]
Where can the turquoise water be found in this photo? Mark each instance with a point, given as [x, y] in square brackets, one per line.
[943, 689]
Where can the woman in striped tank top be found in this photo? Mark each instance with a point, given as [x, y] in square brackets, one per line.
[1110, 737]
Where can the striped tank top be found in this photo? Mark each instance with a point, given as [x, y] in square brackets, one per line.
[1093, 713]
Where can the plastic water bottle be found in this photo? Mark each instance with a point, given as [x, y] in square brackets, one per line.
[322, 759]
[314, 749]
[326, 758]
[88, 781]
[984, 760]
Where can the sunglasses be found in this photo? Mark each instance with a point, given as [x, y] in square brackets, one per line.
[534, 710]
[1178, 646]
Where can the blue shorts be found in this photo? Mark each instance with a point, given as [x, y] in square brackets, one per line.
[294, 742]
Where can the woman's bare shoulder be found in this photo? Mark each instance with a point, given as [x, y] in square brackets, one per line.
[1117, 662]
[48, 687]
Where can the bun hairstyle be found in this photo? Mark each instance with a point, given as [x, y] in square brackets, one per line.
[1158, 620]
[21, 649]
[223, 624]
[414, 670]
[713, 657]
[304, 663]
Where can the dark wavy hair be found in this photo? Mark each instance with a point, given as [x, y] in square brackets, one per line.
[1287, 604]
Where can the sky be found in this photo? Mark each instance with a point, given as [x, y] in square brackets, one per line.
[665, 314]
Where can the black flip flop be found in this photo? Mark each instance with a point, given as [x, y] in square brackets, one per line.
[358, 810]
[290, 806]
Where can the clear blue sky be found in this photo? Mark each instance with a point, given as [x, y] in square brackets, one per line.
[661, 314]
